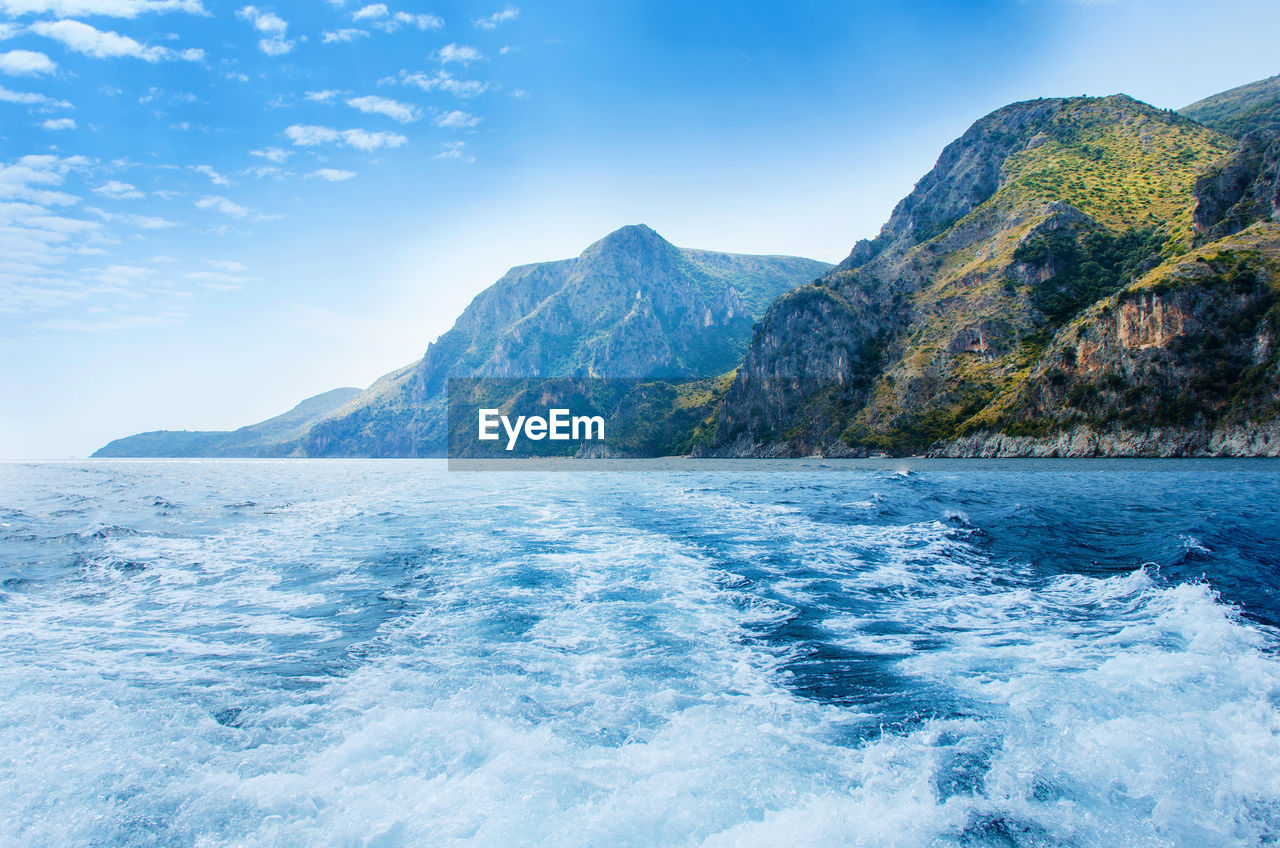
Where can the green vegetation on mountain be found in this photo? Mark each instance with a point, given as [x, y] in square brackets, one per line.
[641, 417]
[631, 306]
[1085, 268]
[1241, 110]
[1075, 276]
[1043, 209]
[1190, 344]
[273, 437]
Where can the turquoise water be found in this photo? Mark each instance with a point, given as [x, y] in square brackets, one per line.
[383, 653]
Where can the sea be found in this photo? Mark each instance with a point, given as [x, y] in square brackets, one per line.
[797, 653]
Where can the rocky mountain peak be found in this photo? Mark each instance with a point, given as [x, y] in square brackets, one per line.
[966, 174]
[631, 239]
[628, 252]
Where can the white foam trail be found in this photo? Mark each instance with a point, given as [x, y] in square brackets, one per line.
[388, 655]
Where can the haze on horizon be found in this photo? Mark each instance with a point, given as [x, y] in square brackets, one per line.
[209, 212]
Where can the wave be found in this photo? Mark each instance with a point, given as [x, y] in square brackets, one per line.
[397, 656]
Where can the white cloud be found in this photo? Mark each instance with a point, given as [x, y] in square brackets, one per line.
[322, 96]
[378, 15]
[271, 154]
[31, 99]
[343, 35]
[214, 176]
[443, 81]
[59, 124]
[159, 95]
[399, 19]
[147, 222]
[107, 45]
[310, 136]
[462, 54]
[271, 25]
[142, 222]
[28, 179]
[275, 45]
[365, 140]
[118, 190]
[457, 119]
[333, 175]
[104, 8]
[371, 12]
[8, 31]
[46, 233]
[394, 109]
[26, 63]
[509, 13]
[456, 151]
[422, 22]
[223, 205]
[267, 23]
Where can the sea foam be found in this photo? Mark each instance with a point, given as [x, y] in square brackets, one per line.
[365, 654]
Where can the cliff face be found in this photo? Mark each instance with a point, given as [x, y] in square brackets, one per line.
[1041, 209]
[631, 305]
[1241, 188]
[1185, 361]
[815, 360]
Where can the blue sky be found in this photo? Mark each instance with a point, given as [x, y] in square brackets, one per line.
[209, 210]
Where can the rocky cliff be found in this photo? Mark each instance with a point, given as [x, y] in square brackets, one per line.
[631, 305]
[1071, 273]
[1183, 362]
[1241, 188]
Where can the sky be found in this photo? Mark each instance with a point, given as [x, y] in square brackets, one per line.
[210, 211]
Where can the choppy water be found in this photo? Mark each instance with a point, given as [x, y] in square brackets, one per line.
[376, 653]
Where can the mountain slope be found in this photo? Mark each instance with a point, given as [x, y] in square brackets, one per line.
[1241, 110]
[1184, 361]
[1037, 212]
[1240, 188]
[267, 438]
[631, 305]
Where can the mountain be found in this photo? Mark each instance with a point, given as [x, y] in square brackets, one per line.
[1074, 277]
[1072, 272]
[273, 437]
[631, 305]
[1241, 110]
